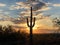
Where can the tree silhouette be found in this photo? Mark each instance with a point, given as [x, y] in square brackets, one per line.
[56, 23]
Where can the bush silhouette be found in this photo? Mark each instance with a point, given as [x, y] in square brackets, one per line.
[1, 29]
[9, 37]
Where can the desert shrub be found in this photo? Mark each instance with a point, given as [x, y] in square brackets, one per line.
[8, 37]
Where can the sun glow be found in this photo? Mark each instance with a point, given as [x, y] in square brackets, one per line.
[34, 29]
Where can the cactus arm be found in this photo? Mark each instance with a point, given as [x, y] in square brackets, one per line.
[28, 22]
[34, 22]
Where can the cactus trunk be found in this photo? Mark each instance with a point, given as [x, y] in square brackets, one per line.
[31, 35]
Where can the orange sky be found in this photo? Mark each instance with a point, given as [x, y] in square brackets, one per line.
[41, 26]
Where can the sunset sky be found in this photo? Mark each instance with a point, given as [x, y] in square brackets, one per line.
[14, 12]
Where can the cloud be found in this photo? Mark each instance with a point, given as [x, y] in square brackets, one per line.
[5, 23]
[22, 3]
[26, 5]
[6, 13]
[19, 20]
[56, 5]
[2, 4]
[14, 7]
[6, 18]
[44, 22]
[44, 9]
[26, 13]
[37, 7]
[1, 10]
[19, 5]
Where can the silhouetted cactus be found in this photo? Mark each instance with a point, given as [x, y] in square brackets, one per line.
[31, 25]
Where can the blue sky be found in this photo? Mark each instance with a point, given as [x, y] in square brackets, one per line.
[55, 10]
[52, 1]
[8, 3]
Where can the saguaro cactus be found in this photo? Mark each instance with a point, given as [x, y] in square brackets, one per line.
[31, 25]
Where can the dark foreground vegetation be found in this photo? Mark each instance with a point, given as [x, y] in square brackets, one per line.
[47, 39]
[10, 37]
